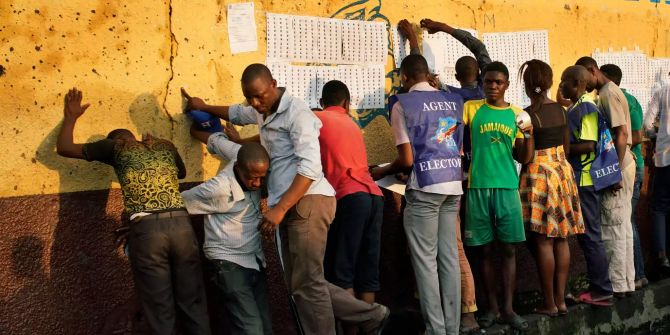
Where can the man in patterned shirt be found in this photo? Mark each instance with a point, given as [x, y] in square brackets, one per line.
[163, 249]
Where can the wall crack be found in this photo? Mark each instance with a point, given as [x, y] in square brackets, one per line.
[174, 49]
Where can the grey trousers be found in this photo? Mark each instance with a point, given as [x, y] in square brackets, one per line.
[430, 224]
[245, 295]
[319, 302]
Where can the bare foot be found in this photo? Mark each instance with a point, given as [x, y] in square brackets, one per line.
[544, 310]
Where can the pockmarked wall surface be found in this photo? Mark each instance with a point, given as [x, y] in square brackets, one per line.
[130, 58]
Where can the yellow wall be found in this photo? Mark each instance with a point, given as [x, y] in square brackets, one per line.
[119, 54]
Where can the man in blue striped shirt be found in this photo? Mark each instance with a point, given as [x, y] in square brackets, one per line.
[231, 204]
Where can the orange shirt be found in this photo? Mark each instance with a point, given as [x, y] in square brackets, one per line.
[343, 156]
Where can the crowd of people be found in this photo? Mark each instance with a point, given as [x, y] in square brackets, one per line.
[459, 150]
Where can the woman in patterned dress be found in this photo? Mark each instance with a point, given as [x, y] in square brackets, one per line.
[548, 190]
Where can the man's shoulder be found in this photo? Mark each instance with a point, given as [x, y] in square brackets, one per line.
[474, 104]
[630, 98]
[611, 89]
[157, 141]
[515, 109]
[294, 104]
[587, 106]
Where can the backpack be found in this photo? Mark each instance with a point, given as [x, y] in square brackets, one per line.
[605, 170]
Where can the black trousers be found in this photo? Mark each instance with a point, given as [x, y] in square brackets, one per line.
[165, 261]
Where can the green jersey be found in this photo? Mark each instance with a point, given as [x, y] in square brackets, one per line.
[635, 125]
[493, 131]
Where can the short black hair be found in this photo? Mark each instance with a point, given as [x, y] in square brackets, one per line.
[116, 133]
[466, 67]
[497, 67]
[414, 66]
[334, 93]
[254, 71]
[577, 72]
[587, 62]
[612, 72]
[252, 153]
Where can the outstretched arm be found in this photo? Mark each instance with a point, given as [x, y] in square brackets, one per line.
[72, 110]
[405, 29]
[475, 46]
[199, 104]
[402, 164]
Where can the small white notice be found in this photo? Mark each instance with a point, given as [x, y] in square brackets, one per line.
[391, 183]
[242, 27]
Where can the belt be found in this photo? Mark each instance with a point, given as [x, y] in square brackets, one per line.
[174, 213]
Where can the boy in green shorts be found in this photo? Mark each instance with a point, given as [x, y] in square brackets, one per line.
[493, 207]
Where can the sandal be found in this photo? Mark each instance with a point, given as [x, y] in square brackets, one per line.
[487, 320]
[547, 313]
[562, 312]
[515, 321]
[587, 298]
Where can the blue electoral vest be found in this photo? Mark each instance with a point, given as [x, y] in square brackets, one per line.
[435, 129]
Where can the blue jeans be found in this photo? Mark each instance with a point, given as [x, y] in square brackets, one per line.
[637, 248]
[591, 241]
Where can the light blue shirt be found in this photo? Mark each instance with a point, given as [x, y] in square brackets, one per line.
[232, 214]
[659, 109]
[291, 137]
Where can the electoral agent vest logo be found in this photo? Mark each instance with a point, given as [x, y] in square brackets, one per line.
[608, 142]
[435, 128]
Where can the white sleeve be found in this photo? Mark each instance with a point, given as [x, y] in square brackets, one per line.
[242, 115]
[210, 197]
[399, 125]
[219, 144]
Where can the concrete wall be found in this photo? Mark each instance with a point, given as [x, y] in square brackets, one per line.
[131, 57]
[59, 273]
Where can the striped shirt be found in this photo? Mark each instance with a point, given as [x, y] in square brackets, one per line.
[291, 137]
[232, 215]
[659, 108]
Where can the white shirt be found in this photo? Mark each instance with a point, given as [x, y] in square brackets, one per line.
[659, 107]
[232, 214]
[291, 137]
[399, 126]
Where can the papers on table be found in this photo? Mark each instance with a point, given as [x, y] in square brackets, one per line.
[391, 183]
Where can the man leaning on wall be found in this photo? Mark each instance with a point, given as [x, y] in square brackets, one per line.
[163, 250]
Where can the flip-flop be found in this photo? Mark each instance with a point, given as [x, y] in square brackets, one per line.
[563, 312]
[487, 320]
[516, 322]
[588, 299]
[570, 299]
[547, 313]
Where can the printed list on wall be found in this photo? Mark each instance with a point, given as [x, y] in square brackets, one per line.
[641, 75]
[512, 48]
[305, 52]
